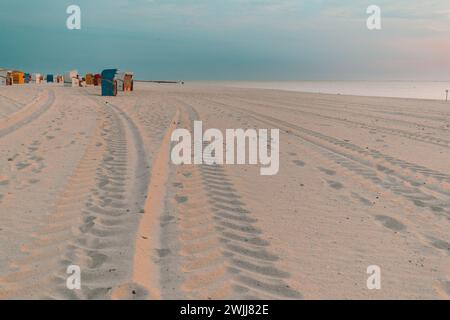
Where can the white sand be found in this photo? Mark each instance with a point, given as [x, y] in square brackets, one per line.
[362, 181]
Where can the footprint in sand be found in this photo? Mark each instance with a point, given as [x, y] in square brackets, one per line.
[163, 252]
[36, 158]
[362, 199]
[327, 171]
[441, 244]
[390, 223]
[299, 163]
[181, 199]
[22, 165]
[335, 185]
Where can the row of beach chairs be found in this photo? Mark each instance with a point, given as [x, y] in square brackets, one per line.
[111, 81]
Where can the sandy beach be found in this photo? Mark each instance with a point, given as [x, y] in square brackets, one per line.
[87, 180]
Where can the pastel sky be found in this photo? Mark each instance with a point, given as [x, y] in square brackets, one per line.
[231, 39]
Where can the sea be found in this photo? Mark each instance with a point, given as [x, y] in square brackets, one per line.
[396, 89]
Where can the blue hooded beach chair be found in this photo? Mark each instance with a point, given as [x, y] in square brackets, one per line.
[109, 84]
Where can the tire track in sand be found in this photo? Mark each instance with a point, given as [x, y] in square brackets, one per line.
[415, 136]
[145, 273]
[27, 114]
[431, 196]
[94, 222]
[211, 247]
[16, 103]
[434, 195]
